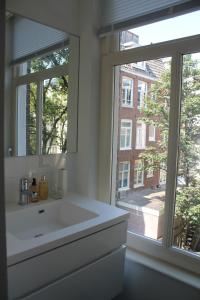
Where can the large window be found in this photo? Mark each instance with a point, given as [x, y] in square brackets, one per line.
[124, 174]
[138, 174]
[165, 207]
[127, 91]
[142, 93]
[140, 135]
[125, 134]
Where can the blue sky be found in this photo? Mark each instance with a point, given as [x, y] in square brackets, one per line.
[170, 29]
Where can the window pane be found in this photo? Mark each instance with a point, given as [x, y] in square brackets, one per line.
[166, 30]
[48, 61]
[26, 119]
[127, 91]
[145, 196]
[123, 175]
[54, 121]
[125, 135]
[187, 210]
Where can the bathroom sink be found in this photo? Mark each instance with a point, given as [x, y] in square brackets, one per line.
[38, 220]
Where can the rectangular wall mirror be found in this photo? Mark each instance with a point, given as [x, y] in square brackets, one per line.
[41, 89]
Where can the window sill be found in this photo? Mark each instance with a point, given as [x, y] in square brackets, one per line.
[165, 268]
[124, 149]
[127, 106]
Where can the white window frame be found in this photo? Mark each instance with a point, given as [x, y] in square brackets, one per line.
[138, 168]
[128, 133]
[127, 89]
[143, 86]
[152, 137]
[124, 188]
[140, 142]
[108, 141]
[71, 69]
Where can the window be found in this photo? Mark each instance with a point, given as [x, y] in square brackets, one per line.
[42, 105]
[142, 93]
[127, 91]
[141, 65]
[152, 133]
[125, 134]
[44, 62]
[164, 218]
[140, 135]
[186, 231]
[138, 174]
[123, 176]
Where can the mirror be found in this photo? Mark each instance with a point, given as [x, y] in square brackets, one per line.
[41, 89]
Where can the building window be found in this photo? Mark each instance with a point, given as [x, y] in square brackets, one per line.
[141, 65]
[152, 133]
[125, 134]
[138, 173]
[142, 93]
[127, 91]
[124, 174]
[140, 135]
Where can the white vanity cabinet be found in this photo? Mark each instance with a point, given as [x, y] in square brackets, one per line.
[84, 261]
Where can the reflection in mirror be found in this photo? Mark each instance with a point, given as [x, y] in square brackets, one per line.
[41, 89]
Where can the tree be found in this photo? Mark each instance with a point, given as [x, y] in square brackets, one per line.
[55, 104]
[156, 112]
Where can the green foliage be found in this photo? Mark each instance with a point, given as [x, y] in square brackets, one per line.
[188, 204]
[55, 104]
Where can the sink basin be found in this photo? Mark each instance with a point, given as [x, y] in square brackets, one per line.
[38, 220]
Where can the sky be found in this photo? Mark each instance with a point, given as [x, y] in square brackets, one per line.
[182, 26]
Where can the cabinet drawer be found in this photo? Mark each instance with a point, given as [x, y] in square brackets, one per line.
[101, 280]
[32, 274]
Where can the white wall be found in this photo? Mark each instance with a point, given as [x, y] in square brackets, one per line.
[19, 167]
[61, 14]
[82, 166]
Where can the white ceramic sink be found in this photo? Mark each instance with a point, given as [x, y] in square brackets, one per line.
[37, 221]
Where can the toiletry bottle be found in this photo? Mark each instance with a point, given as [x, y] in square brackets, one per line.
[34, 191]
[43, 188]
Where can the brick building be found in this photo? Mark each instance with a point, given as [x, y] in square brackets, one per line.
[133, 134]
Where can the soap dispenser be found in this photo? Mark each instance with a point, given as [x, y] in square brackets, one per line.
[43, 188]
[34, 191]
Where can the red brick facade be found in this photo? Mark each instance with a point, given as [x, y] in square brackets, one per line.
[133, 113]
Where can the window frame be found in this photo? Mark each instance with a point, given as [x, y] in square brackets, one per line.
[152, 138]
[143, 93]
[138, 170]
[128, 177]
[111, 60]
[126, 129]
[70, 69]
[37, 78]
[132, 90]
[141, 146]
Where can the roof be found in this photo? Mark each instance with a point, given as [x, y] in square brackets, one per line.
[153, 69]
